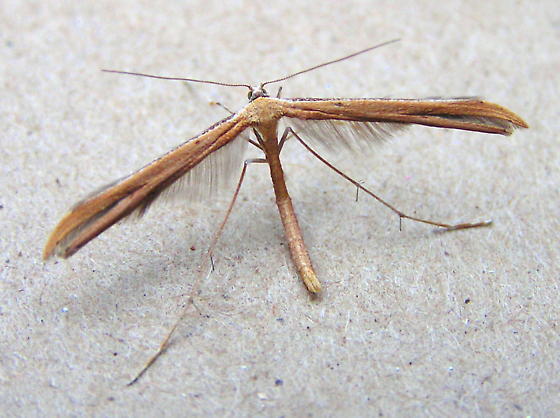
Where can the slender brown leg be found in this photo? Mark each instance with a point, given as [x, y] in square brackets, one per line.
[190, 302]
[300, 256]
[284, 138]
[223, 107]
[402, 215]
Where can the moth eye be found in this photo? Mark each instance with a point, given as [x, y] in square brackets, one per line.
[249, 94]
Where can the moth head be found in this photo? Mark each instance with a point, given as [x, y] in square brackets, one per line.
[256, 92]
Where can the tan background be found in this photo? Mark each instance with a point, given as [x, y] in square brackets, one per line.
[410, 323]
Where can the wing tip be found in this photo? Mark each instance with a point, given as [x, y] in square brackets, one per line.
[514, 122]
[52, 247]
[57, 245]
[47, 253]
[521, 123]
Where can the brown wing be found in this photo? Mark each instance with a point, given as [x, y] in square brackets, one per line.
[469, 114]
[96, 213]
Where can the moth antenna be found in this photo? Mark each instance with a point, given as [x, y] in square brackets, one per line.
[193, 80]
[331, 62]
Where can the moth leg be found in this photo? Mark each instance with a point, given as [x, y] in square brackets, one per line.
[254, 143]
[402, 215]
[285, 136]
[259, 142]
[165, 343]
[279, 92]
[223, 107]
[232, 203]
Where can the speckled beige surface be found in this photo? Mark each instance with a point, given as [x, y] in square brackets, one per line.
[411, 323]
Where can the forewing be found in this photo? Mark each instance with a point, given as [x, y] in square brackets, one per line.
[137, 192]
[384, 116]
